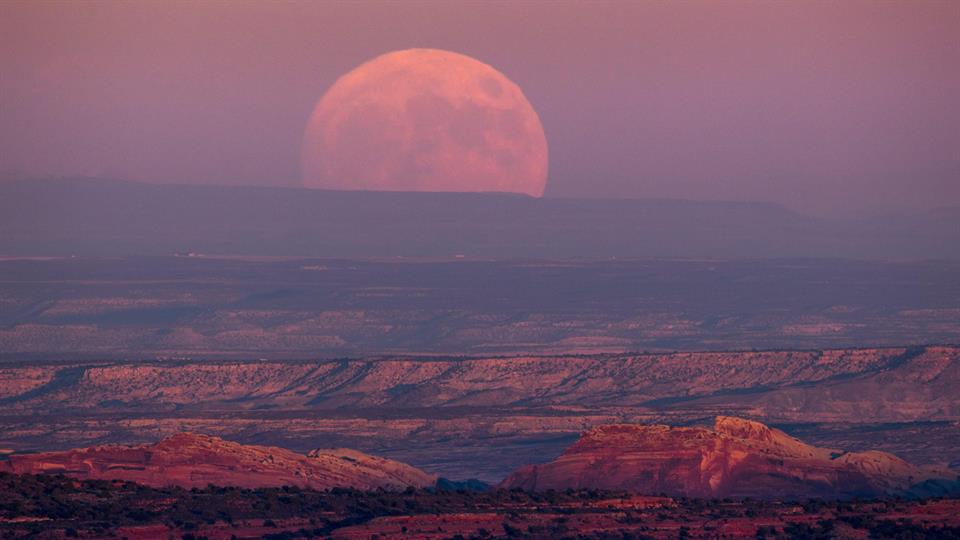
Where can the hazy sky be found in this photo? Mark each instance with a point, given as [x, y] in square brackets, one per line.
[823, 106]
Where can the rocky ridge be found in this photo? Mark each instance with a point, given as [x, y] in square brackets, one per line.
[192, 460]
[738, 458]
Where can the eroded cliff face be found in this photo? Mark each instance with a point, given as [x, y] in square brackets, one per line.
[651, 380]
[17, 382]
[738, 458]
[193, 460]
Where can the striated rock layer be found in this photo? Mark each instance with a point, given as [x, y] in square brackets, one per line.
[739, 458]
[903, 384]
[192, 460]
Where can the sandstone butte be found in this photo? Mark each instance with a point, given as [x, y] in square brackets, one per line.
[191, 460]
[738, 458]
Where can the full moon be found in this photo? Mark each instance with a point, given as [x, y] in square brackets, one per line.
[425, 120]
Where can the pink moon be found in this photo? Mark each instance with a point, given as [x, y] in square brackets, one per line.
[425, 120]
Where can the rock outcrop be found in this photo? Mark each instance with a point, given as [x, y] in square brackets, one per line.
[192, 460]
[374, 471]
[738, 458]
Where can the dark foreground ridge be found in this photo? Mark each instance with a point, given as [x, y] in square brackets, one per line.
[55, 507]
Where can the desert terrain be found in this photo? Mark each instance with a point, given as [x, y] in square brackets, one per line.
[484, 417]
[460, 269]
[463, 373]
[245, 308]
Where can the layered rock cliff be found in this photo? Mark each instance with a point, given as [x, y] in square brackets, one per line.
[192, 460]
[824, 383]
[738, 458]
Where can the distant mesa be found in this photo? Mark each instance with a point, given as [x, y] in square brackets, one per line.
[90, 217]
[738, 458]
[192, 460]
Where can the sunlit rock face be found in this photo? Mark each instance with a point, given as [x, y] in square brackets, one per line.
[738, 458]
[425, 120]
[191, 460]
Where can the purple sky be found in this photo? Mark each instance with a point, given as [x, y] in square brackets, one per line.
[822, 106]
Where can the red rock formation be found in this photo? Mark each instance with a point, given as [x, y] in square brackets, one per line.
[372, 471]
[191, 460]
[739, 458]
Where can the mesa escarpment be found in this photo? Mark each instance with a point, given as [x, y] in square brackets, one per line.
[739, 458]
[648, 380]
[192, 460]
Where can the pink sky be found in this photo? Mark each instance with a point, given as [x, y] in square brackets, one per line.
[822, 106]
